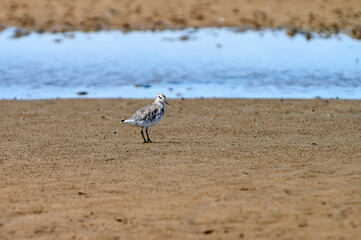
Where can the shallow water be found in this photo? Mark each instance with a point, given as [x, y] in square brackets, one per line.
[206, 63]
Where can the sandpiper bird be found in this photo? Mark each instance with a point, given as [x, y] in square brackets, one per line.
[148, 116]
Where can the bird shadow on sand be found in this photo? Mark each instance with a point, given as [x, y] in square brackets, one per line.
[154, 142]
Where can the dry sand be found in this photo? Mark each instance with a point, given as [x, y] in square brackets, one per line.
[219, 169]
[326, 16]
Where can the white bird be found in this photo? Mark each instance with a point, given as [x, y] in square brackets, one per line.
[148, 116]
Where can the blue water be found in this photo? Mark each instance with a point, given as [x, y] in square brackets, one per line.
[211, 63]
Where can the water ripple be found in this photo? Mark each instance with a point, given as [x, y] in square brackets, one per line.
[211, 63]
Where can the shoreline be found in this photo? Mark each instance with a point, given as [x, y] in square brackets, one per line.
[21, 31]
[190, 98]
[295, 16]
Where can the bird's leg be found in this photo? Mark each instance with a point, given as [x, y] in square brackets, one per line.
[143, 135]
[146, 131]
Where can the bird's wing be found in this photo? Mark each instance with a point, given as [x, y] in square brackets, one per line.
[147, 113]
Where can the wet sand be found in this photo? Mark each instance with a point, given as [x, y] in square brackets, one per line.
[219, 169]
[322, 16]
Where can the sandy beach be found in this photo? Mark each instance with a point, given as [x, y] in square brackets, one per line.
[218, 169]
[321, 16]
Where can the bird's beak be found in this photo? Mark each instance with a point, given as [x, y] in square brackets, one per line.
[166, 102]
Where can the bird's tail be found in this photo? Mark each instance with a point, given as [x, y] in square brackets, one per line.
[123, 120]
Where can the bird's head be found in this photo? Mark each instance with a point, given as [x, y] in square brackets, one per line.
[161, 98]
